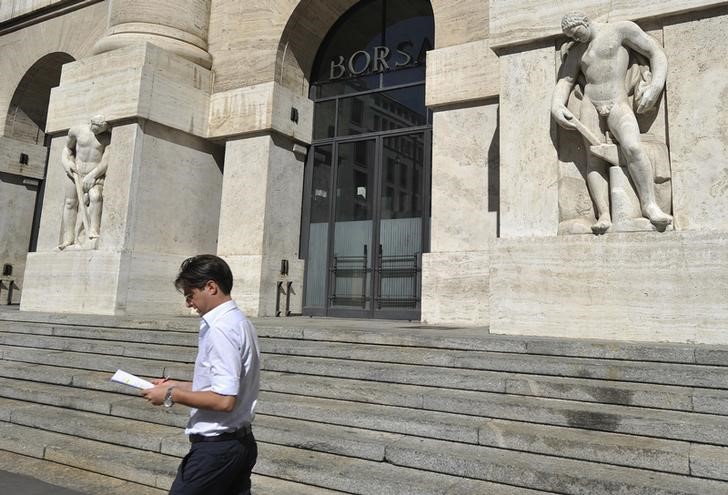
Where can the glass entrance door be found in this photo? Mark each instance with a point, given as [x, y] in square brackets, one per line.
[374, 252]
[366, 210]
[350, 261]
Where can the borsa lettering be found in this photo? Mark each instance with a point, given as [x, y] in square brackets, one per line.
[379, 59]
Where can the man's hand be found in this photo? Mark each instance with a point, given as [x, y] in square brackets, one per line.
[649, 98]
[70, 167]
[89, 181]
[156, 394]
[563, 117]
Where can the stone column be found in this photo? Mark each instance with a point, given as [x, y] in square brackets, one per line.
[162, 190]
[464, 183]
[178, 26]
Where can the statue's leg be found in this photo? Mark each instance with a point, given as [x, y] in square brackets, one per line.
[597, 178]
[623, 125]
[96, 201]
[70, 211]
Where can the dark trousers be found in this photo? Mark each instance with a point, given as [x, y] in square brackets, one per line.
[219, 468]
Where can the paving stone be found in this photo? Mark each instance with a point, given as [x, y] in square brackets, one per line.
[676, 425]
[104, 428]
[361, 477]
[371, 416]
[69, 477]
[79, 360]
[555, 474]
[630, 371]
[609, 448]
[709, 461]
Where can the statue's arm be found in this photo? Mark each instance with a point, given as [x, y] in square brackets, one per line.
[68, 154]
[568, 74]
[636, 39]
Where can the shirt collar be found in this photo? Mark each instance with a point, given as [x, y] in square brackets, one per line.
[212, 315]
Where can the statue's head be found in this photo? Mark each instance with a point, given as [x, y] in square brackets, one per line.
[575, 25]
[98, 124]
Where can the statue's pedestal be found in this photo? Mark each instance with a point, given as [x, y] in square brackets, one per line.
[647, 286]
[161, 194]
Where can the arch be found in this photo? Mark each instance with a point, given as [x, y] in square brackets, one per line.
[73, 33]
[456, 22]
[307, 26]
[26, 118]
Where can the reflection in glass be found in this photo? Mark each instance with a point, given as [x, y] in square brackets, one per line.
[384, 111]
[400, 227]
[319, 200]
[351, 263]
[324, 119]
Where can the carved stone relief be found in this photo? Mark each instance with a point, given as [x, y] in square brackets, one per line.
[85, 160]
[615, 174]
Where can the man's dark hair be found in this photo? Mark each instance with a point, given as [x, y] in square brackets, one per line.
[196, 271]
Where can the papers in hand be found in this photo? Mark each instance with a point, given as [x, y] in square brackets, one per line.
[125, 378]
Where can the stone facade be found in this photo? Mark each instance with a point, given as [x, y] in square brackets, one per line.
[205, 156]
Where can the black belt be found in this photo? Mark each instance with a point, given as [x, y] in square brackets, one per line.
[238, 434]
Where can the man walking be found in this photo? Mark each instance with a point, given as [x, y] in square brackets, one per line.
[224, 389]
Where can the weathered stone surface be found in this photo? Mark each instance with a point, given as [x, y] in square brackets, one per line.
[71, 478]
[142, 81]
[697, 83]
[528, 470]
[455, 288]
[709, 461]
[610, 448]
[262, 107]
[529, 166]
[650, 285]
[513, 22]
[461, 73]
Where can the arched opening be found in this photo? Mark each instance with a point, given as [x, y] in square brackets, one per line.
[22, 179]
[367, 184]
[28, 110]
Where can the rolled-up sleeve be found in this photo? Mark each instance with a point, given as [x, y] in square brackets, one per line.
[225, 362]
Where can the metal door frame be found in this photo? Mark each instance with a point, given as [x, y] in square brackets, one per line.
[375, 278]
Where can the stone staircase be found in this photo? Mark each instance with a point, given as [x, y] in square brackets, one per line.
[368, 407]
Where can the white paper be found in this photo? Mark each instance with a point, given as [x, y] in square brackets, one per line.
[125, 378]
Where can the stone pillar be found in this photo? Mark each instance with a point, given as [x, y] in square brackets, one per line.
[260, 210]
[464, 183]
[178, 26]
[260, 218]
[529, 166]
[162, 189]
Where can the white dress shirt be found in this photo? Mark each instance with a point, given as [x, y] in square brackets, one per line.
[228, 363]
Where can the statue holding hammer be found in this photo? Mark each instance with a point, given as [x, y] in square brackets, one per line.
[85, 165]
[601, 54]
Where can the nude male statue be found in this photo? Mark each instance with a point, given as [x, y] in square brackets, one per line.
[83, 160]
[601, 54]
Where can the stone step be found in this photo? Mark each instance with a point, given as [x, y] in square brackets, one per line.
[708, 401]
[567, 476]
[629, 371]
[161, 352]
[155, 330]
[72, 478]
[96, 362]
[139, 335]
[636, 451]
[94, 467]
[146, 468]
[363, 477]
[155, 437]
[438, 403]
[704, 400]
[326, 470]
[458, 415]
[672, 397]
